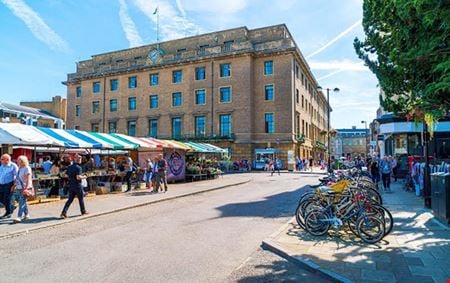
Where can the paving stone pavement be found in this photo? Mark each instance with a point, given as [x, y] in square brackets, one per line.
[417, 250]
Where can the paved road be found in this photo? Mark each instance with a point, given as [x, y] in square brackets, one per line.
[199, 238]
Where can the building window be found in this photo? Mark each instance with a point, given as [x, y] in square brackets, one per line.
[297, 71]
[176, 127]
[268, 68]
[268, 92]
[200, 127]
[177, 76]
[225, 125]
[96, 87]
[225, 94]
[177, 99]
[153, 128]
[113, 105]
[225, 70]
[78, 91]
[131, 128]
[303, 79]
[202, 49]
[227, 45]
[154, 79]
[200, 73]
[303, 101]
[113, 84]
[200, 97]
[269, 123]
[153, 101]
[95, 106]
[112, 127]
[132, 82]
[94, 127]
[297, 96]
[131, 103]
[77, 110]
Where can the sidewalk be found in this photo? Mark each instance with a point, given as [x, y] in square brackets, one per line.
[47, 214]
[417, 250]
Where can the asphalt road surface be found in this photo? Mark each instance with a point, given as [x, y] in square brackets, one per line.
[210, 237]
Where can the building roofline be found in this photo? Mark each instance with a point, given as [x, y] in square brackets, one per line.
[168, 41]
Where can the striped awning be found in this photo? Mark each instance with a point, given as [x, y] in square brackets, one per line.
[18, 134]
[69, 140]
[115, 142]
[143, 143]
[98, 143]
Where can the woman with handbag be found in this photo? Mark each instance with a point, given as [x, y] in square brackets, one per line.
[24, 188]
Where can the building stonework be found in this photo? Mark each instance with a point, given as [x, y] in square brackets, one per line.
[297, 109]
[56, 107]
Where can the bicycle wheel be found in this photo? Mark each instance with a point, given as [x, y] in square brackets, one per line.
[302, 209]
[316, 223]
[386, 216]
[370, 229]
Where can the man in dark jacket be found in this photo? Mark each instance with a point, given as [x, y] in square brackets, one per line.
[75, 175]
[161, 166]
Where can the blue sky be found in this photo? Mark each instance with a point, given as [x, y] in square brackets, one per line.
[41, 41]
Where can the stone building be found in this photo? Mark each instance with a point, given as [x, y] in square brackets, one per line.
[350, 142]
[56, 107]
[240, 89]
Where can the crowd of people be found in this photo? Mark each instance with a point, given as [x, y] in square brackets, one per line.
[16, 179]
[381, 169]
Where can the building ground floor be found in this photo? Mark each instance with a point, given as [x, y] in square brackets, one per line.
[286, 151]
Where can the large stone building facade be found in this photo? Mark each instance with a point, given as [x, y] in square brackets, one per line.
[239, 89]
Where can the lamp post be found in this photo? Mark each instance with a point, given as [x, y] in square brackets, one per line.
[365, 127]
[335, 90]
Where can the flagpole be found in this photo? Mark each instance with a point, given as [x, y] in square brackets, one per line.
[157, 26]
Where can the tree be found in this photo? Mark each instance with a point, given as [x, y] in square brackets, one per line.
[407, 48]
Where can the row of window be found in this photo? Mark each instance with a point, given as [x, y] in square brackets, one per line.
[177, 100]
[177, 77]
[176, 123]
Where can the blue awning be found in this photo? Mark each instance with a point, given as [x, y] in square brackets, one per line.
[84, 136]
[67, 142]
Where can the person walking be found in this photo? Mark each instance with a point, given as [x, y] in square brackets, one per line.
[161, 177]
[129, 169]
[74, 173]
[8, 173]
[386, 170]
[311, 162]
[23, 182]
[148, 173]
[375, 172]
[275, 167]
[394, 164]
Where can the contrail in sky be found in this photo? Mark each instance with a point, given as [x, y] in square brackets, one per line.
[342, 34]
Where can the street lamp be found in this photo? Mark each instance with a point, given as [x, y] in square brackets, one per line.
[335, 90]
[367, 150]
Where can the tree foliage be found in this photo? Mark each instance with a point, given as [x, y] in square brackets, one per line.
[407, 48]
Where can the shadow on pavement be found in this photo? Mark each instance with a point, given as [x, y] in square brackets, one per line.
[285, 204]
[418, 255]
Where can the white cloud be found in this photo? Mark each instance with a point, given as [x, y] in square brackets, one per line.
[344, 65]
[171, 24]
[36, 25]
[180, 8]
[332, 41]
[128, 26]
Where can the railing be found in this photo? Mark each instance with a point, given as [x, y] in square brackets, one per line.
[230, 137]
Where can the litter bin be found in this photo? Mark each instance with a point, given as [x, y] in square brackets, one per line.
[440, 196]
